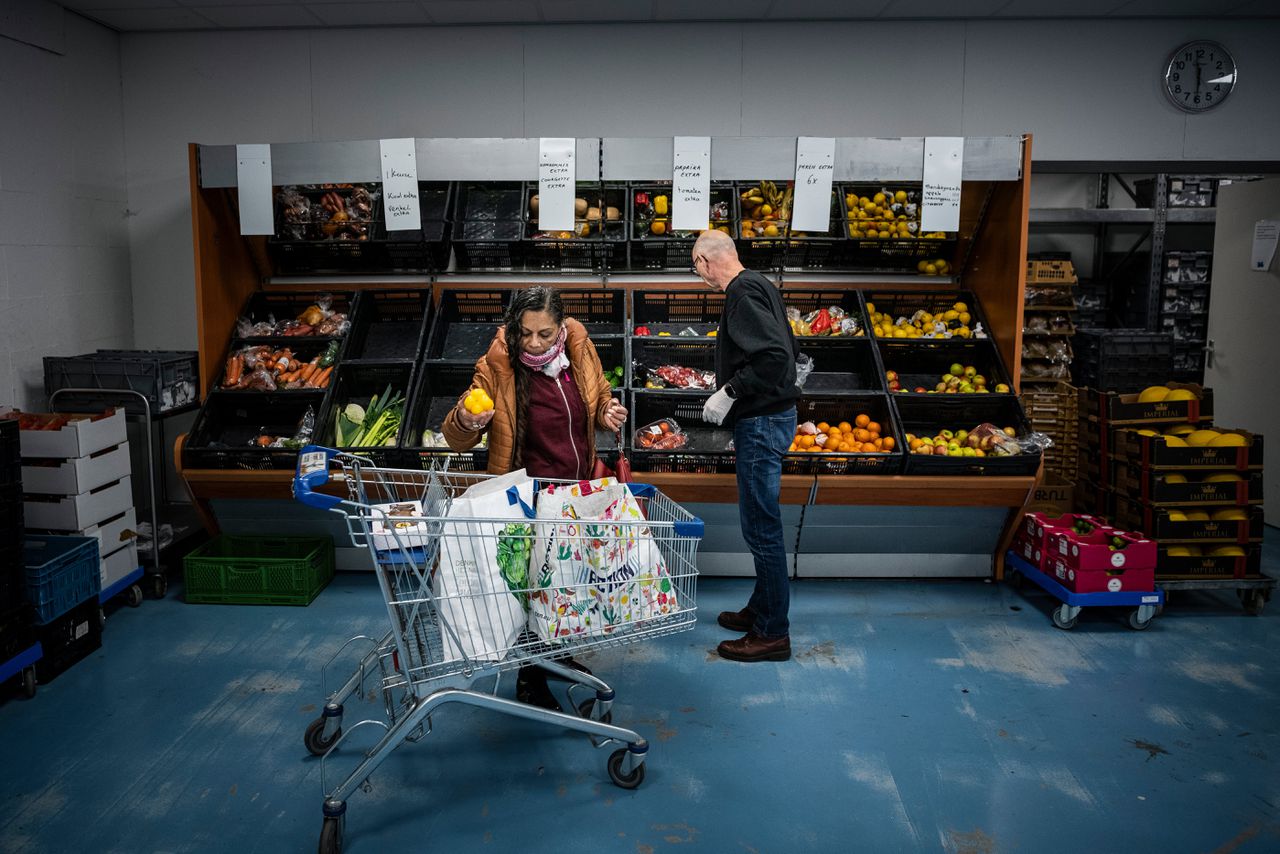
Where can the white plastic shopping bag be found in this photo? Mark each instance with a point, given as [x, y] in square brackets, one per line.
[473, 594]
[589, 574]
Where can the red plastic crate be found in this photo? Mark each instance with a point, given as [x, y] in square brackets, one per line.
[1130, 580]
[1093, 552]
[1037, 527]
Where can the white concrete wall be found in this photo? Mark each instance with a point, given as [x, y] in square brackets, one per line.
[65, 285]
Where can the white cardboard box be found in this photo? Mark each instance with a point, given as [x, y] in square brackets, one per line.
[78, 439]
[78, 474]
[118, 564]
[114, 532]
[78, 512]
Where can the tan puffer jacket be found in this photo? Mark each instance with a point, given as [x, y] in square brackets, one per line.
[493, 374]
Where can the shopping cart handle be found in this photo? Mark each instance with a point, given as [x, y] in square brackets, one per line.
[313, 472]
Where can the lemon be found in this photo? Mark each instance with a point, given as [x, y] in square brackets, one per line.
[958, 306]
[930, 270]
[920, 267]
[900, 196]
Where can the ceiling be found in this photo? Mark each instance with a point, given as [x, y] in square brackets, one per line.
[169, 15]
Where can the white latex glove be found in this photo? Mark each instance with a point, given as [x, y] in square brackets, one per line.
[717, 407]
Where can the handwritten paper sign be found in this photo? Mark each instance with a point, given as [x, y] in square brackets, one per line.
[691, 183]
[1266, 235]
[940, 196]
[556, 182]
[253, 181]
[815, 167]
[400, 184]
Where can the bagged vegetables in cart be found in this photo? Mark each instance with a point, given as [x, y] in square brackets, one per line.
[590, 575]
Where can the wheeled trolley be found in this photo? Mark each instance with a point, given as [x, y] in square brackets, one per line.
[1147, 603]
[429, 659]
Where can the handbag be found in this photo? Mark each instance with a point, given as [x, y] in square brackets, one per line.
[621, 469]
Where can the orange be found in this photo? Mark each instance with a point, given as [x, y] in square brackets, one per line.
[792, 448]
[806, 441]
[845, 427]
[879, 443]
[888, 443]
[823, 427]
[868, 448]
[862, 420]
[873, 427]
[862, 435]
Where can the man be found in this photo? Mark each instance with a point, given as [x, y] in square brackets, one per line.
[756, 366]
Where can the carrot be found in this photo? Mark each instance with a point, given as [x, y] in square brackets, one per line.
[321, 380]
[235, 369]
[308, 370]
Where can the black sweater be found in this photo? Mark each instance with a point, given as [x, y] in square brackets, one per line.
[755, 348]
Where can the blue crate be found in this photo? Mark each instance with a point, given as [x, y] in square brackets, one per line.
[61, 572]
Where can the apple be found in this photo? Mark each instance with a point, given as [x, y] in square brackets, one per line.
[1001, 388]
[979, 380]
[920, 389]
[957, 369]
[971, 372]
[891, 376]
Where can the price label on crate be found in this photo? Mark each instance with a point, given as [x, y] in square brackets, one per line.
[690, 183]
[940, 195]
[400, 184]
[253, 185]
[556, 182]
[815, 167]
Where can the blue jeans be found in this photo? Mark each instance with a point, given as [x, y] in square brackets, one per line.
[759, 444]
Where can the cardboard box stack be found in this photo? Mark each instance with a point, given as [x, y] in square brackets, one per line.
[1048, 306]
[1152, 462]
[76, 482]
[1054, 411]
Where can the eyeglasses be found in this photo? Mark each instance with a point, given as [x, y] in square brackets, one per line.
[696, 258]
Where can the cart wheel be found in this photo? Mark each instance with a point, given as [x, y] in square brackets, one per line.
[331, 836]
[133, 596]
[1136, 622]
[1060, 618]
[585, 707]
[29, 682]
[629, 781]
[160, 585]
[1253, 602]
[314, 738]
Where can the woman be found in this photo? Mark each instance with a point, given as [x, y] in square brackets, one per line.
[549, 396]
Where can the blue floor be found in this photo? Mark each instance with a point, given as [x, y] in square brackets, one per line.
[915, 716]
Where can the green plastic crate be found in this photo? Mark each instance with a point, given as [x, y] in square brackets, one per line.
[243, 570]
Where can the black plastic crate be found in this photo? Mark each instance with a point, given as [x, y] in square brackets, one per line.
[602, 312]
[1185, 330]
[1188, 267]
[1123, 360]
[923, 418]
[16, 631]
[653, 245]
[358, 384]
[489, 200]
[465, 323]
[707, 449]
[834, 410]
[841, 366]
[808, 301]
[1184, 191]
[224, 433]
[486, 244]
[168, 378]
[896, 304]
[759, 250]
[425, 248]
[311, 239]
[924, 367]
[893, 251]
[650, 353]
[389, 325]
[438, 388]
[593, 245]
[68, 639]
[676, 311]
[300, 351]
[280, 306]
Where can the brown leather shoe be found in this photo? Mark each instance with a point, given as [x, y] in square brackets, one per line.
[737, 621]
[752, 647]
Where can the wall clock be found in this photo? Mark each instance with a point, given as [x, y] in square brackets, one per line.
[1200, 75]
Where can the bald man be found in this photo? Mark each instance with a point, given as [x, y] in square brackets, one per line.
[756, 367]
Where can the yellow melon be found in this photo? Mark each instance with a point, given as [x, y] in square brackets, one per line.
[1174, 442]
[1229, 440]
[1175, 478]
[1177, 516]
[1148, 433]
[1200, 438]
[1223, 477]
[1183, 551]
[1197, 516]
[1180, 429]
[1230, 514]
[1153, 394]
[1180, 394]
[1228, 551]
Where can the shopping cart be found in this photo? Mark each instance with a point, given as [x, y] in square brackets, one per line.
[422, 663]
